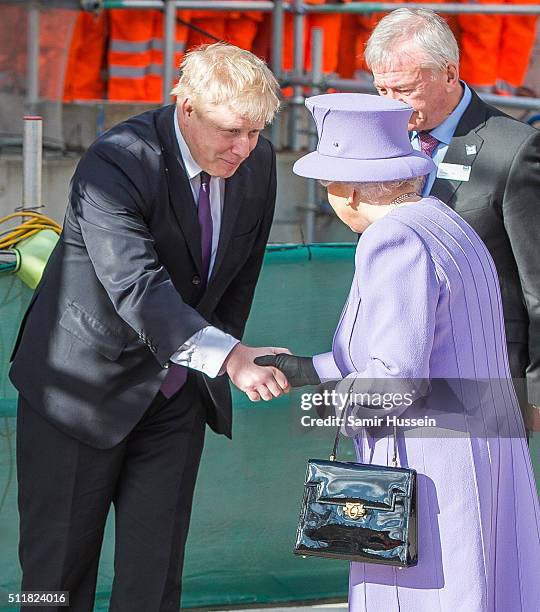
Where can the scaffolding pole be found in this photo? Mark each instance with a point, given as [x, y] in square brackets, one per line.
[355, 8]
[298, 71]
[32, 158]
[298, 79]
[168, 55]
[317, 41]
[208, 5]
[350, 85]
[358, 8]
[32, 59]
[278, 17]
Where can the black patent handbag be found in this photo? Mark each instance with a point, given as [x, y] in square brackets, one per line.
[363, 513]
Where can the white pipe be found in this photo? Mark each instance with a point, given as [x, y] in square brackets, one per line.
[32, 158]
[32, 60]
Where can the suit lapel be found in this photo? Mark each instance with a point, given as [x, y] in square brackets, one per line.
[445, 189]
[235, 189]
[180, 193]
[465, 140]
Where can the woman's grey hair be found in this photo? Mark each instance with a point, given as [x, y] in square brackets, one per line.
[420, 28]
[375, 190]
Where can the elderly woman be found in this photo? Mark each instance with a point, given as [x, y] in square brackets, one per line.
[425, 305]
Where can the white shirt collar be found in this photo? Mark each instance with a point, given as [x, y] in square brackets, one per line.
[444, 132]
[192, 167]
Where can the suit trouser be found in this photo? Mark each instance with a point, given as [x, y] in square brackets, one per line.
[518, 358]
[66, 489]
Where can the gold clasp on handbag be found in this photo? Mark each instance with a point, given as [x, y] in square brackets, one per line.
[354, 510]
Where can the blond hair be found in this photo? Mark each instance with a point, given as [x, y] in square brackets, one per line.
[224, 74]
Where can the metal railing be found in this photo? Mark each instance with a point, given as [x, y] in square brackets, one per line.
[315, 80]
[318, 82]
[298, 79]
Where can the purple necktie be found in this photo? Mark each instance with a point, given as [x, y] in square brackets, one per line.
[428, 144]
[177, 375]
[205, 223]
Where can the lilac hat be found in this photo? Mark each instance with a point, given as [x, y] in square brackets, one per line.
[362, 138]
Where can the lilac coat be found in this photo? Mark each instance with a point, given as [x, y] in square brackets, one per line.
[425, 303]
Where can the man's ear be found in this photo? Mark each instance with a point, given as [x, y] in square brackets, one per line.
[186, 109]
[452, 75]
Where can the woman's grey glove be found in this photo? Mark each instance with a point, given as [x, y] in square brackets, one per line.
[298, 370]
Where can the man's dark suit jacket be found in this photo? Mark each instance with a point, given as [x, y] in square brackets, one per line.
[122, 290]
[501, 201]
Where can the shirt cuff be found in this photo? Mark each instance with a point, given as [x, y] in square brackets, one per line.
[205, 351]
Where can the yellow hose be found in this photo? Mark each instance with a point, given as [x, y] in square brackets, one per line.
[35, 223]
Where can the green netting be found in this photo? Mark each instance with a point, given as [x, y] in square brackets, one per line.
[14, 297]
[255, 480]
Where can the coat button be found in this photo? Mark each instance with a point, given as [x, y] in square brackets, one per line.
[196, 280]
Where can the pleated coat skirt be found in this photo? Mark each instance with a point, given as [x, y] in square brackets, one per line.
[425, 305]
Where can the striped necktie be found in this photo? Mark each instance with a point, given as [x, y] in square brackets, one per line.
[428, 144]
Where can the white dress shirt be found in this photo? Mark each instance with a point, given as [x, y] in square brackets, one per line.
[208, 348]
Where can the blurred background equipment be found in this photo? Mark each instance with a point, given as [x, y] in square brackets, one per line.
[85, 65]
[26, 247]
[496, 49]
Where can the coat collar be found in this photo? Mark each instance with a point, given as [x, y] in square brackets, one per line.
[178, 182]
[465, 139]
[180, 193]
[235, 189]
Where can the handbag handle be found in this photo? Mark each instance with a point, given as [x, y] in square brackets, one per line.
[334, 452]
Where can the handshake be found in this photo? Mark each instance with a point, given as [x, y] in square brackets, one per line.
[268, 372]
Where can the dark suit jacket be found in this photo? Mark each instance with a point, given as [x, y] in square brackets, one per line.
[501, 201]
[122, 289]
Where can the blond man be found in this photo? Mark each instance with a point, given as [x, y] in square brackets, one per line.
[126, 350]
